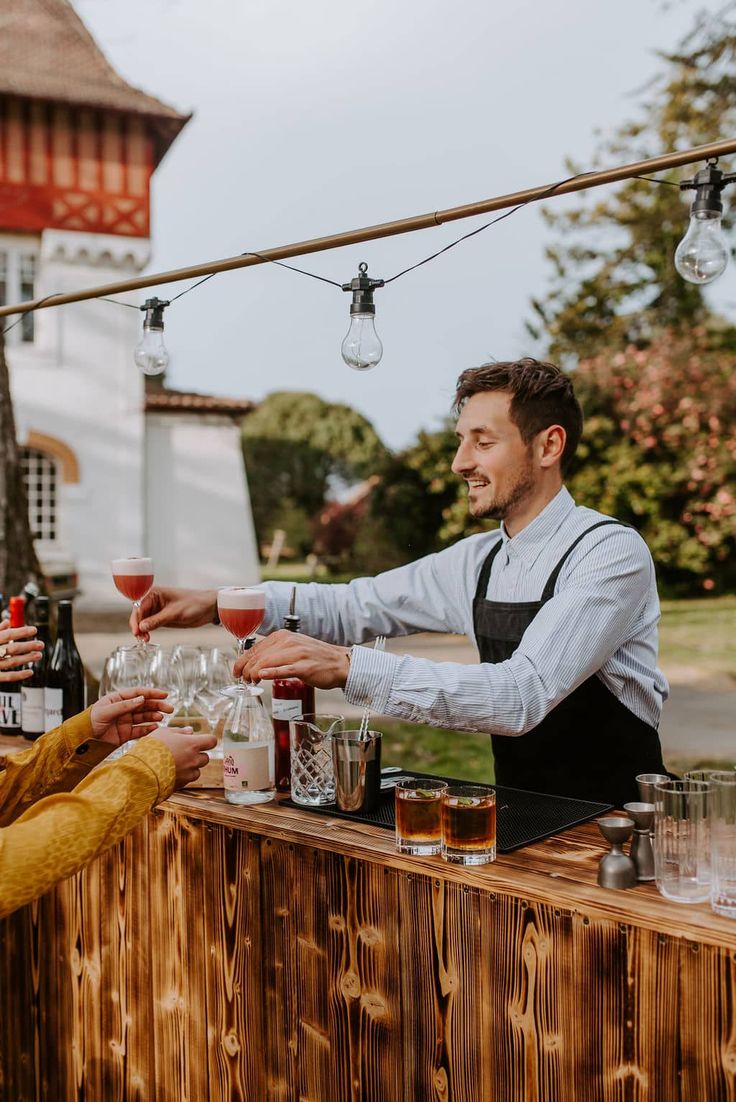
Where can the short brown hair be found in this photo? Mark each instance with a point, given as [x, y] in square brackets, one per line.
[541, 395]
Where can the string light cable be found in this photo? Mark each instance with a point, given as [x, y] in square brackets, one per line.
[701, 256]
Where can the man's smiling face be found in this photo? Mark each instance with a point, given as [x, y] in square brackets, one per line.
[492, 458]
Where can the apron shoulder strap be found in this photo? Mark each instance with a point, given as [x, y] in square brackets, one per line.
[485, 571]
[549, 588]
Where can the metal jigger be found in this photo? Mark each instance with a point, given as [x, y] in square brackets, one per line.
[647, 783]
[616, 870]
[642, 853]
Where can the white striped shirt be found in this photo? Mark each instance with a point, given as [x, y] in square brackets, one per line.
[601, 620]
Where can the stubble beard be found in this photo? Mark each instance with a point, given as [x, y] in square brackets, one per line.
[501, 507]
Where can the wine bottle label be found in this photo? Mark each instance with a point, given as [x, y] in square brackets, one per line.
[34, 715]
[53, 706]
[248, 767]
[10, 705]
[286, 709]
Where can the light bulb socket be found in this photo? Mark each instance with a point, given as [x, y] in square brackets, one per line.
[154, 311]
[707, 184]
[362, 288]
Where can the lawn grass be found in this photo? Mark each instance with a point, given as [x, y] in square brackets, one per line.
[433, 750]
[699, 633]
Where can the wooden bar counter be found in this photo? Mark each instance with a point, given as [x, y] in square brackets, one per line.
[266, 954]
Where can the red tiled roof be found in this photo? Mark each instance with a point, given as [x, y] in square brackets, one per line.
[47, 53]
[185, 401]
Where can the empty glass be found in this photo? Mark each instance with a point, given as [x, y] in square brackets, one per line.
[312, 775]
[188, 661]
[723, 842]
[682, 840]
[129, 667]
[213, 698]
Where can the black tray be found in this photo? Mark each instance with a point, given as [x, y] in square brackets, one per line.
[521, 817]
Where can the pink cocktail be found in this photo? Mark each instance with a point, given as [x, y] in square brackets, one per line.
[133, 578]
[241, 610]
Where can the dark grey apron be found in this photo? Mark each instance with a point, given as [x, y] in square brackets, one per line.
[590, 745]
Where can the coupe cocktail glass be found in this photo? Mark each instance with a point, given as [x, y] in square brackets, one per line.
[133, 578]
[241, 610]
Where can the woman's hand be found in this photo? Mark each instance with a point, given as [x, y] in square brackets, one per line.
[18, 647]
[129, 714]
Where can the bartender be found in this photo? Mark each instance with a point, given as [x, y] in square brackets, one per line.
[561, 600]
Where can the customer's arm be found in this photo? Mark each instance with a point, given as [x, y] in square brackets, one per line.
[60, 834]
[57, 762]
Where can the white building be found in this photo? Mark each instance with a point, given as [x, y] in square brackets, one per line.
[111, 471]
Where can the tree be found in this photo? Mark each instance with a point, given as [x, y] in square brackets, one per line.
[613, 281]
[296, 447]
[18, 562]
[659, 451]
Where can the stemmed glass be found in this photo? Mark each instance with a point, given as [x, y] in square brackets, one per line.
[130, 667]
[188, 661]
[216, 665]
[133, 578]
[241, 610]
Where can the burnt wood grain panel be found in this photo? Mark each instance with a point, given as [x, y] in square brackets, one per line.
[177, 952]
[18, 1015]
[126, 1006]
[268, 955]
[363, 970]
[233, 963]
[280, 886]
[707, 1009]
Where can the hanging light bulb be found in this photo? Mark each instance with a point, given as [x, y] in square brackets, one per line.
[362, 348]
[702, 255]
[150, 352]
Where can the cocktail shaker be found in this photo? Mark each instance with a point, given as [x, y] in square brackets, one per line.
[356, 763]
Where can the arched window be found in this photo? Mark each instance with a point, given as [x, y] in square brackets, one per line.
[42, 483]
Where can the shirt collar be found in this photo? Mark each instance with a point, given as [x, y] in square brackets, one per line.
[529, 543]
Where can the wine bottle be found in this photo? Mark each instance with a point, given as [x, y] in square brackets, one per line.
[33, 690]
[11, 697]
[65, 679]
[290, 699]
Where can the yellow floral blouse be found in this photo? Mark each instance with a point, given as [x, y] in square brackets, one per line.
[56, 815]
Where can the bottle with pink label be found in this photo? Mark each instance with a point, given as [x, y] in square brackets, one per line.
[248, 749]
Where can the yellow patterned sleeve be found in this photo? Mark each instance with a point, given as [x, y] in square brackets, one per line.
[57, 762]
[63, 832]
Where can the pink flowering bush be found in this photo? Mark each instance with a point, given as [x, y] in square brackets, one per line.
[659, 451]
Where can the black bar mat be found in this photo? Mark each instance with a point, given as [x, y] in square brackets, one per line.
[521, 817]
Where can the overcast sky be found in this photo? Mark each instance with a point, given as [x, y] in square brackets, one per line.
[312, 118]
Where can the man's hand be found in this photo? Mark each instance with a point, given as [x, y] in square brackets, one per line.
[18, 647]
[131, 713]
[188, 751]
[173, 608]
[290, 654]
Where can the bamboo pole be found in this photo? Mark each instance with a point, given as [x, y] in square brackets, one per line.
[581, 182]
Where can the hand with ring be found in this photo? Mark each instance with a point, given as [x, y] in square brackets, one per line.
[18, 648]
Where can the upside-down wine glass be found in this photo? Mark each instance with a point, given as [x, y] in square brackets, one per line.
[241, 610]
[133, 578]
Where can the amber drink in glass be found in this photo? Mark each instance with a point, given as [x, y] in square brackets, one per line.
[469, 825]
[419, 815]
